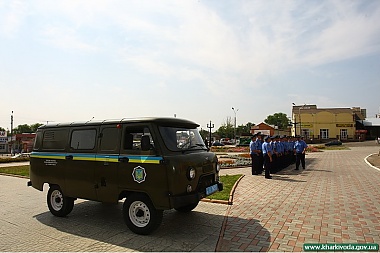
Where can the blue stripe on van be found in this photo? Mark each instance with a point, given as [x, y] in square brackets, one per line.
[98, 158]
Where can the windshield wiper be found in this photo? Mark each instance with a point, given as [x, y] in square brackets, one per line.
[198, 145]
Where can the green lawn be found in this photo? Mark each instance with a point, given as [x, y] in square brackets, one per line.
[16, 170]
[228, 182]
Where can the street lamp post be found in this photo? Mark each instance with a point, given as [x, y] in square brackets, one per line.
[233, 109]
[210, 127]
[295, 122]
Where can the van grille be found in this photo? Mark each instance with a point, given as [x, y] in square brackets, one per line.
[207, 168]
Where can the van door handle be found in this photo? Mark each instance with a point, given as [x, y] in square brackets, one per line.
[69, 157]
[123, 159]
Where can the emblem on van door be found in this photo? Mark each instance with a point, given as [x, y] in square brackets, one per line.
[139, 174]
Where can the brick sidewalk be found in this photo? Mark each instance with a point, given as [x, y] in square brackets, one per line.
[336, 199]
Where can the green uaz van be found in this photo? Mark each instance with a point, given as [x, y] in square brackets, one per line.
[154, 163]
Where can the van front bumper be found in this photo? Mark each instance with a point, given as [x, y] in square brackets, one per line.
[184, 200]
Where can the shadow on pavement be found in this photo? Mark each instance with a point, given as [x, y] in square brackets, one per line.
[93, 221]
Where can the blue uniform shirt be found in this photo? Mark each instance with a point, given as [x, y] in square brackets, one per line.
[251, 147]
[299, 146]
[266, 148]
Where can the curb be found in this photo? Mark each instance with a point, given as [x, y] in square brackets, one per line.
[13, 175]
[368, 163]
[231, 197]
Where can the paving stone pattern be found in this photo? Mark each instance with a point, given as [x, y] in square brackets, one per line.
[335, 200]
[27, 225]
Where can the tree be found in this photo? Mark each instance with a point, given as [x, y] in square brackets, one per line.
[226, 130]
[35, 126]
[244, 129]
[278, 119]
[22, 129]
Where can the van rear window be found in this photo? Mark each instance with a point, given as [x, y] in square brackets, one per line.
[83, 139]
[53, 140]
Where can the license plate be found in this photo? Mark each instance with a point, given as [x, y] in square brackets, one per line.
[211, 189]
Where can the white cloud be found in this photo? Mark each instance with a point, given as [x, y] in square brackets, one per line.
[66, 38]
[12, 15]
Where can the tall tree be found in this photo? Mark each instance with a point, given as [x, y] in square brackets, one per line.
[22, 129]
[35, 126]
[278, 119]
[226, 130]
[244, 129]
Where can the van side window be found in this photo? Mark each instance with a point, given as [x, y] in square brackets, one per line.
[54, 139]
[110, 139]
[83, 139]
[138, 140]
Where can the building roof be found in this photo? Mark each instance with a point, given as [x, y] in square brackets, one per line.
[371, 122]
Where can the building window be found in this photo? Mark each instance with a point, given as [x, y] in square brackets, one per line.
[306, 133]
[343, 133]
[324, 133]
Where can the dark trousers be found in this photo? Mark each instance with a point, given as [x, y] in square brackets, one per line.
[255, 162]
[267, 165]
[300, 158]
[261, 163]
[274, 164]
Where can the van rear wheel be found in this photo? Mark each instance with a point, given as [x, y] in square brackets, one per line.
[186, 209]
[59, 204]
[140, 215]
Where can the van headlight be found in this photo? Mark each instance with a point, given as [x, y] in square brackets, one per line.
[190, 173]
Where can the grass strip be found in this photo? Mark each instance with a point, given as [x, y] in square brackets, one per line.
[228, 182]
[16, 170]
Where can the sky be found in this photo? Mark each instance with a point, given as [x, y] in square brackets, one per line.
[63, 61]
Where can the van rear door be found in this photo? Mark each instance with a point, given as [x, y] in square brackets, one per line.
[80, 163]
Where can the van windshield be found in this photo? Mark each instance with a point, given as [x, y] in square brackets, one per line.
[181, 139]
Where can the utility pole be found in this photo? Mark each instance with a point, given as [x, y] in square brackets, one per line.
[233, 109]
[210, 127]
[11, 132]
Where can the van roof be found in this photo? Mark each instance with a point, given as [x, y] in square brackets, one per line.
[175, 122]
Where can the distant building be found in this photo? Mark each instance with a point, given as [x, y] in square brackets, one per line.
[323, 124]
[24, 142]
[266, 129]
[372, 127]
[3, 142]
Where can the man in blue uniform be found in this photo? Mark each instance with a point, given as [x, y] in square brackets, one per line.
[300, 150]
[254, 155]
[267, 153]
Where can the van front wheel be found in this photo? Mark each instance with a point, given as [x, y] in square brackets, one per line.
[59, 204]
[140, 215]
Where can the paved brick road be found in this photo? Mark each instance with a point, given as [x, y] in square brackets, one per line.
[336, 199]
[27, 225]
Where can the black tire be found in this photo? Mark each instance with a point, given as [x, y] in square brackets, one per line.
[140, 215]
[59, 205]
[186, 209]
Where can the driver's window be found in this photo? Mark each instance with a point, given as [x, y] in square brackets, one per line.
[138, 140]
[185, 139]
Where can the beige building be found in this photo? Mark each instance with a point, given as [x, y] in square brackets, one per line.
[320, 124]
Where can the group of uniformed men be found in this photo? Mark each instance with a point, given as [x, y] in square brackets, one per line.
[276, 153]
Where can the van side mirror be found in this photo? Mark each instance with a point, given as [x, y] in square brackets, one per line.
[145, 143]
